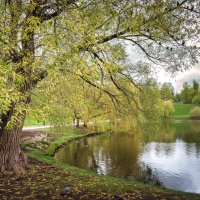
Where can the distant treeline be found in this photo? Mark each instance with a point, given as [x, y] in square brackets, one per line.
[189, 94]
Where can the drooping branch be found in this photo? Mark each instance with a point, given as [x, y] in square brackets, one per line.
[127, 94]
[46, 11]
[112, 96]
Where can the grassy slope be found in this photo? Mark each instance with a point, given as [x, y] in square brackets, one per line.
[29, 121]
[182, 110]
[46, 178]
[58, 137]
[62, 137]
[97, 187]
[105, 187]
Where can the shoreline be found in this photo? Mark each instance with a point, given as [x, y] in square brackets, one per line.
[113, 184]
[47, 157]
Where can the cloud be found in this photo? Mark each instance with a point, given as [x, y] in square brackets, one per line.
[180, 78]
[193, 73]
[161, 75]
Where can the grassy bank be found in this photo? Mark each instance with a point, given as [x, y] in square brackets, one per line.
[48, 177]
[88, 185]
[30, 121]
[182, 110]
[59, 138]
[56, 137]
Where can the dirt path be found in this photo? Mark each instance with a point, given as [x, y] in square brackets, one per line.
[32, 136]
[35, 127]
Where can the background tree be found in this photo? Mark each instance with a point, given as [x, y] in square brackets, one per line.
[190, 93]
[41, 38]
[195, 87]
[167, 91]
[196, 92]
[186, 93]
[196, 99]
[177, 98]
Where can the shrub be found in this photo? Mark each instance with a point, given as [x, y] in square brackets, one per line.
[196, 99]
[195, 112]
[168, 108]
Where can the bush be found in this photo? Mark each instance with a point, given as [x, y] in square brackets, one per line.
[168, 108]
[196, 99]
[195, 113]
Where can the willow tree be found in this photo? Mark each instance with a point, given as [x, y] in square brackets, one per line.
[85, 38]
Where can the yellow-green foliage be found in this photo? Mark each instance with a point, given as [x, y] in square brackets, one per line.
[182, 110]
[195, 112]
[84, 40]
[168, 108]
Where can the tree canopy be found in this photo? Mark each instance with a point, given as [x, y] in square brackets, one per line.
[190, 93]
[85, 39]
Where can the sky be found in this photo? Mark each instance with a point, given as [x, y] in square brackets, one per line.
[161, 75]
[180, 78]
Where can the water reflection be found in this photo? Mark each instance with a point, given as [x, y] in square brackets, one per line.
[179, 170]
[170, 157]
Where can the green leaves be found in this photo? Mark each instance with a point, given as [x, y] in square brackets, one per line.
[80, 51]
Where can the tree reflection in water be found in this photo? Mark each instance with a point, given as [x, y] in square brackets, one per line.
[145, 174]
[166, 157]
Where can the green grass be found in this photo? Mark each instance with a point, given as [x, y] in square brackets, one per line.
[97, 185]
[109, 185]
[58, 136]
[29, 121]
[67, 134]
[182, 110]
[61, 137]
[78, 171]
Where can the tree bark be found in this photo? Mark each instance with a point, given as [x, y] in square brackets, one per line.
[11, 156]
[77, 122]
[85, 124]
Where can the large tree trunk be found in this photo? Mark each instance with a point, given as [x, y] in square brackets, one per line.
[23, 57]
[11, 157]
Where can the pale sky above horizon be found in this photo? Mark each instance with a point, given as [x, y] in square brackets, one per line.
[163, 76]
[180, 78]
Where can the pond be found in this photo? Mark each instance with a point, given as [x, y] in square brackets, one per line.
[169, 158]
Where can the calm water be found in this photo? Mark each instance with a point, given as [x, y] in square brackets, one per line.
[170, 158]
